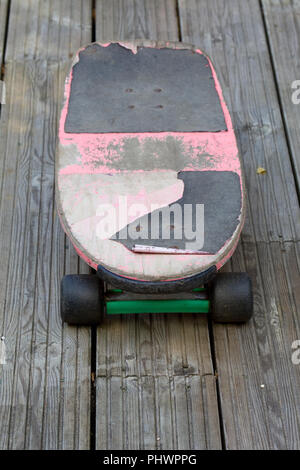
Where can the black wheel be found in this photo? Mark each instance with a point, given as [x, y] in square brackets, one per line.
[82, 299]
[231, 298]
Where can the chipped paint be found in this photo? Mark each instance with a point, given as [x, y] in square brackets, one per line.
[102, 153]
[116, 155]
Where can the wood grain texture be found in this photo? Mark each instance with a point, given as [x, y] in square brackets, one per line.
[3, 15]
[235, 38]
[47, 30]
[155, 382]
[45, 385]
[134, 19]
[283, 22]
[257, 380]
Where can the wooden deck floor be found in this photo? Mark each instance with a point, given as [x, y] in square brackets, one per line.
[149, 382]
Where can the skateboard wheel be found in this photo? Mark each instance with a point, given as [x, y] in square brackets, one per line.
[231, 298]
[82, 299]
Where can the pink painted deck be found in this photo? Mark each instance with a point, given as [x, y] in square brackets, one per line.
[90, 174]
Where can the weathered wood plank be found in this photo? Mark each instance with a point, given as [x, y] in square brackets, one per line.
[3, 15]
[154, 356]
[164, 413]
[283, 22]
[235, 38]
[46, 382]
[257, 379]
[134, 19]
[49, 30]
[148, 413]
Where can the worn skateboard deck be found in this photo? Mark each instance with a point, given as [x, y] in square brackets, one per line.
[148, 176]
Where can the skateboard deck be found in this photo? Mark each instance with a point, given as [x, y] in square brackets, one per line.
[148, 177]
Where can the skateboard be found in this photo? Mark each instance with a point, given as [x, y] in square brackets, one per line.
[149, 185]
